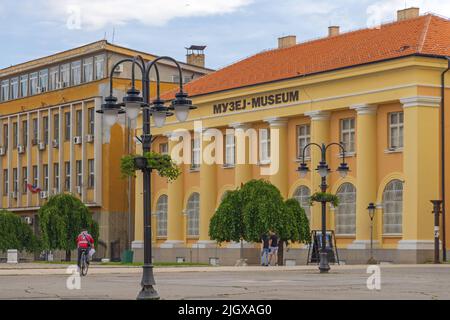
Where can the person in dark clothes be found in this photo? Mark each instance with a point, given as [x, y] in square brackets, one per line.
[273, 248]
[265, 250]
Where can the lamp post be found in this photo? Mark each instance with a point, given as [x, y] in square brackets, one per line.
[371, 209]
[133, 104]
[324, 171]
[436, 211]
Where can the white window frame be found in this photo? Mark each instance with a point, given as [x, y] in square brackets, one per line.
[193, 215]
[348, 133]
[161, 215]
[24, 179]
[79, 122]
[46, 182]
[75, 73]
[79, 172]
[34, 83]
[303, 195]
[88, 69]
[67, 126]
[4, 94]
[67, 172]
[91, 121]
[23, 86]
[303, 139]
[264, 146]
[99, 65]
[24, 133]
[91, 178]
[15, 88]
[53, 78]
[56, 119]
[230, 150]
[164, 148]
[45, 125]
[393, 208]
[56, 175]
[5, 182]
[397, 127]
[35, 176]
[43, 80]
[64, 75]
[346, 210]
[15, 180]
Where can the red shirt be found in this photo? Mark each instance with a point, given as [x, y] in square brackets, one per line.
[84, 239]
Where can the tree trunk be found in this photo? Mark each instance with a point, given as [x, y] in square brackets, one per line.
[241, 253]
[68, 255]
[281, 253]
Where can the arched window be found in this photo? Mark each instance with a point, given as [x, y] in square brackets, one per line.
[302, 195]
[393, 207]
[161, 215]
[193, 215]
[346, 211]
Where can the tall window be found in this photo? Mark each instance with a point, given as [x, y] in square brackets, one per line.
[33, 83]
[91, 121]
[302, 195]
[54, 78]
[15, 180]
[14, 88]
[99, 67]
[45, 169]
[76, 73]
[79, 170]
[35, 176]
[4, 94]
[264, 145]
[193, 215]
[230, 150]
[65, 75]
[56, 127]
[15, 133]
[35, 131]
[45, 124]
[346, 211]
[396, 130]
[88, 69]
[67, 179]
[348, 134]
[24, 180]
[91, 177]
[79, 124]
[303, 139]
[56, 176]
[161, 213]
[196, 153]
[43, 80]
[5, 136]
[393, 207]
[25, 133]
[67, 126]
[5, 182]
[23, 86]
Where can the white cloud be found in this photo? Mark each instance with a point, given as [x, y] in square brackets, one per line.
[385, 10]
[95, 14]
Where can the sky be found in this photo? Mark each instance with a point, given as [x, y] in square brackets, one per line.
[232, 29]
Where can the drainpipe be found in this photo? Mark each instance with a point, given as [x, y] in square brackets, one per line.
[444, 246]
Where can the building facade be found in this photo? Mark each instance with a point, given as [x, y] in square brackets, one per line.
[52, 139]
[376, 90]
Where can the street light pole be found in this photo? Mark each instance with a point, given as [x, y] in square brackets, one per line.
[324, 171]
[134, 103]
[371, 208]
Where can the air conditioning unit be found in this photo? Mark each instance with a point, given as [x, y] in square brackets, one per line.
[77, 140]
[14, 195]
[90, 138]
[21, 149]
[28, 220]
[55, 144]
[42, 146]
[44, 195]
[79, 189]
[119, 68]
[38, 89]
[2, 151]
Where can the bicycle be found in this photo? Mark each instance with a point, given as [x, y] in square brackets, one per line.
[84, 266]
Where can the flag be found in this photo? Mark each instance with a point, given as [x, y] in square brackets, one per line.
[33, 189]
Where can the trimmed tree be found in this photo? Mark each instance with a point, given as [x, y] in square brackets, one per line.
[61, 220]
[16, 234]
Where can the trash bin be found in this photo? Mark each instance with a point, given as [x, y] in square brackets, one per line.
[127, 256]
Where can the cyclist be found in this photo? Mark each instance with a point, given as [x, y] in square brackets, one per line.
[85, 242]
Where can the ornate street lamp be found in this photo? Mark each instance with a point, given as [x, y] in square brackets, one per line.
[133, 104]
[371, 209]
[324, 171]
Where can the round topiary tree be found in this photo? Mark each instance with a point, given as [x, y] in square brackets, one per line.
[16, 234]
[61, 220]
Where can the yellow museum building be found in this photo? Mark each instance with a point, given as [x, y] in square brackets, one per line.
[377, 90]
[52, 138]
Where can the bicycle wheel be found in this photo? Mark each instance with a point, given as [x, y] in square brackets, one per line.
[84, 265]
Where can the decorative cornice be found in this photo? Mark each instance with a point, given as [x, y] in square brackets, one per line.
[276, 122]
[421, 101]
[240, 125]
[318, 115]
[363, 109]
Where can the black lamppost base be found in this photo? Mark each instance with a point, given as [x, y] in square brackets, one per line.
[372, 261]
[148, 293]
[324, 267]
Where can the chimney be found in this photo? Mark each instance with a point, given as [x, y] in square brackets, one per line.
[333, 31]
[286, 42]
[196, 56]
[408, 13]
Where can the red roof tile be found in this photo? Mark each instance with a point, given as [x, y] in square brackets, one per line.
[428, 34]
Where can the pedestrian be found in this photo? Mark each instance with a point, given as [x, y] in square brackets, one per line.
[273, 248]
[265, 250]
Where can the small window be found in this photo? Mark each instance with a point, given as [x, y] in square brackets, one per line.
[35, 176]
[193, 215]
[35, 131]
[15, 180]
[56, 176]
[161, 213]
[54, 78]
[4, 94]
[99, 67]
[67, 180]
[91, 120]
[5, 182]
[196, 150]
[24, 86]
[79, 169]
[56, 127]
[24, 180]
[45, 169]
[303, 139]
[396, 130]
[88, 69]
[43, 81]
[230, 150]
[15, 135]
[76, 73]
[264, 145]
[14, 88]
[25, 133]
[67, 130]
[33, 83]
[164, 148]
[91, 178]
[79, 119]
[5, 136]
[348, 134]
[45, 125]
[65, 75]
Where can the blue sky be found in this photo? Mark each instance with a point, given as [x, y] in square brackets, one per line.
[232, 29]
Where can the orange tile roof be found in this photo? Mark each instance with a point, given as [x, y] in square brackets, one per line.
[427, 35]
